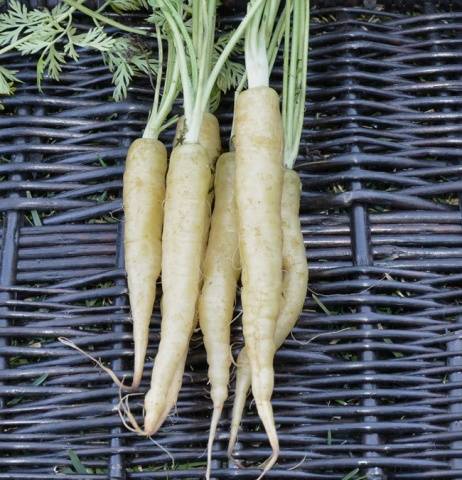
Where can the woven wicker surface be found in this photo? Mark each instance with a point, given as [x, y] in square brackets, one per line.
[372, 377]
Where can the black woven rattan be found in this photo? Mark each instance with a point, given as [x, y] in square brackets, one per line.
[372, 377]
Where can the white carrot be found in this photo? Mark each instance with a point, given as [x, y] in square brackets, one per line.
[209, 138]
[188, 182]
[259, 174]
[295, 276]
[295, 281]
[258, 194]
[143, 198]
[216, 302]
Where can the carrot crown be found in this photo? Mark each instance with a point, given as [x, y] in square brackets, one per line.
[258, 42]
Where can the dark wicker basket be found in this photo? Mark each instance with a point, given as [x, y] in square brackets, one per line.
[369, 385]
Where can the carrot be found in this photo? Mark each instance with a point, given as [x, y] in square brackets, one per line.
[259, 176]
[209, 138]
[188, 181]
[295, 281]
[216, 302]
[258, 193]
[296, 26]
[143, 197]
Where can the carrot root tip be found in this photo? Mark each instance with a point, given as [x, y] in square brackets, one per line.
[213, 430]
[268, 464]
[232, 440]
[265, 411]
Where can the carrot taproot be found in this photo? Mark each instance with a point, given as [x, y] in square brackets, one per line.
[295, 281]
[216, 301]
[295, 278]
[188, 181]
[259, 148]
[259, 176]
[143, 197]
[209, 138]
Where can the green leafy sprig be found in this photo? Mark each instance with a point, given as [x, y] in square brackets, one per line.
[231, 73]
[53, 36]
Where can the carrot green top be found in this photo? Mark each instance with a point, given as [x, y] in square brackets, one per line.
[257, 42]
[168, 84]
[294, 80]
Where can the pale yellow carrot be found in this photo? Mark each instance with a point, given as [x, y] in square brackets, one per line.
[259, 174]
[209, 138]
[143, 197]
[209, 142]
[295, 282]
[216, 302]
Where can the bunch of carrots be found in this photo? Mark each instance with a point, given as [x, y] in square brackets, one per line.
[203, 218]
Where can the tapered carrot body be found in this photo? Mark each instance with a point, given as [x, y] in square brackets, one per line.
[295, 282]
[221, 273]
[188, 181]
[143, 197]
[259, 176]
[173, 391]
[209, 138]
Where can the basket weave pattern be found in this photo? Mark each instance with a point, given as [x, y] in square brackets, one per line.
[372, 375]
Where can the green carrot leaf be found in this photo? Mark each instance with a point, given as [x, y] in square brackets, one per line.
[7, 80]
